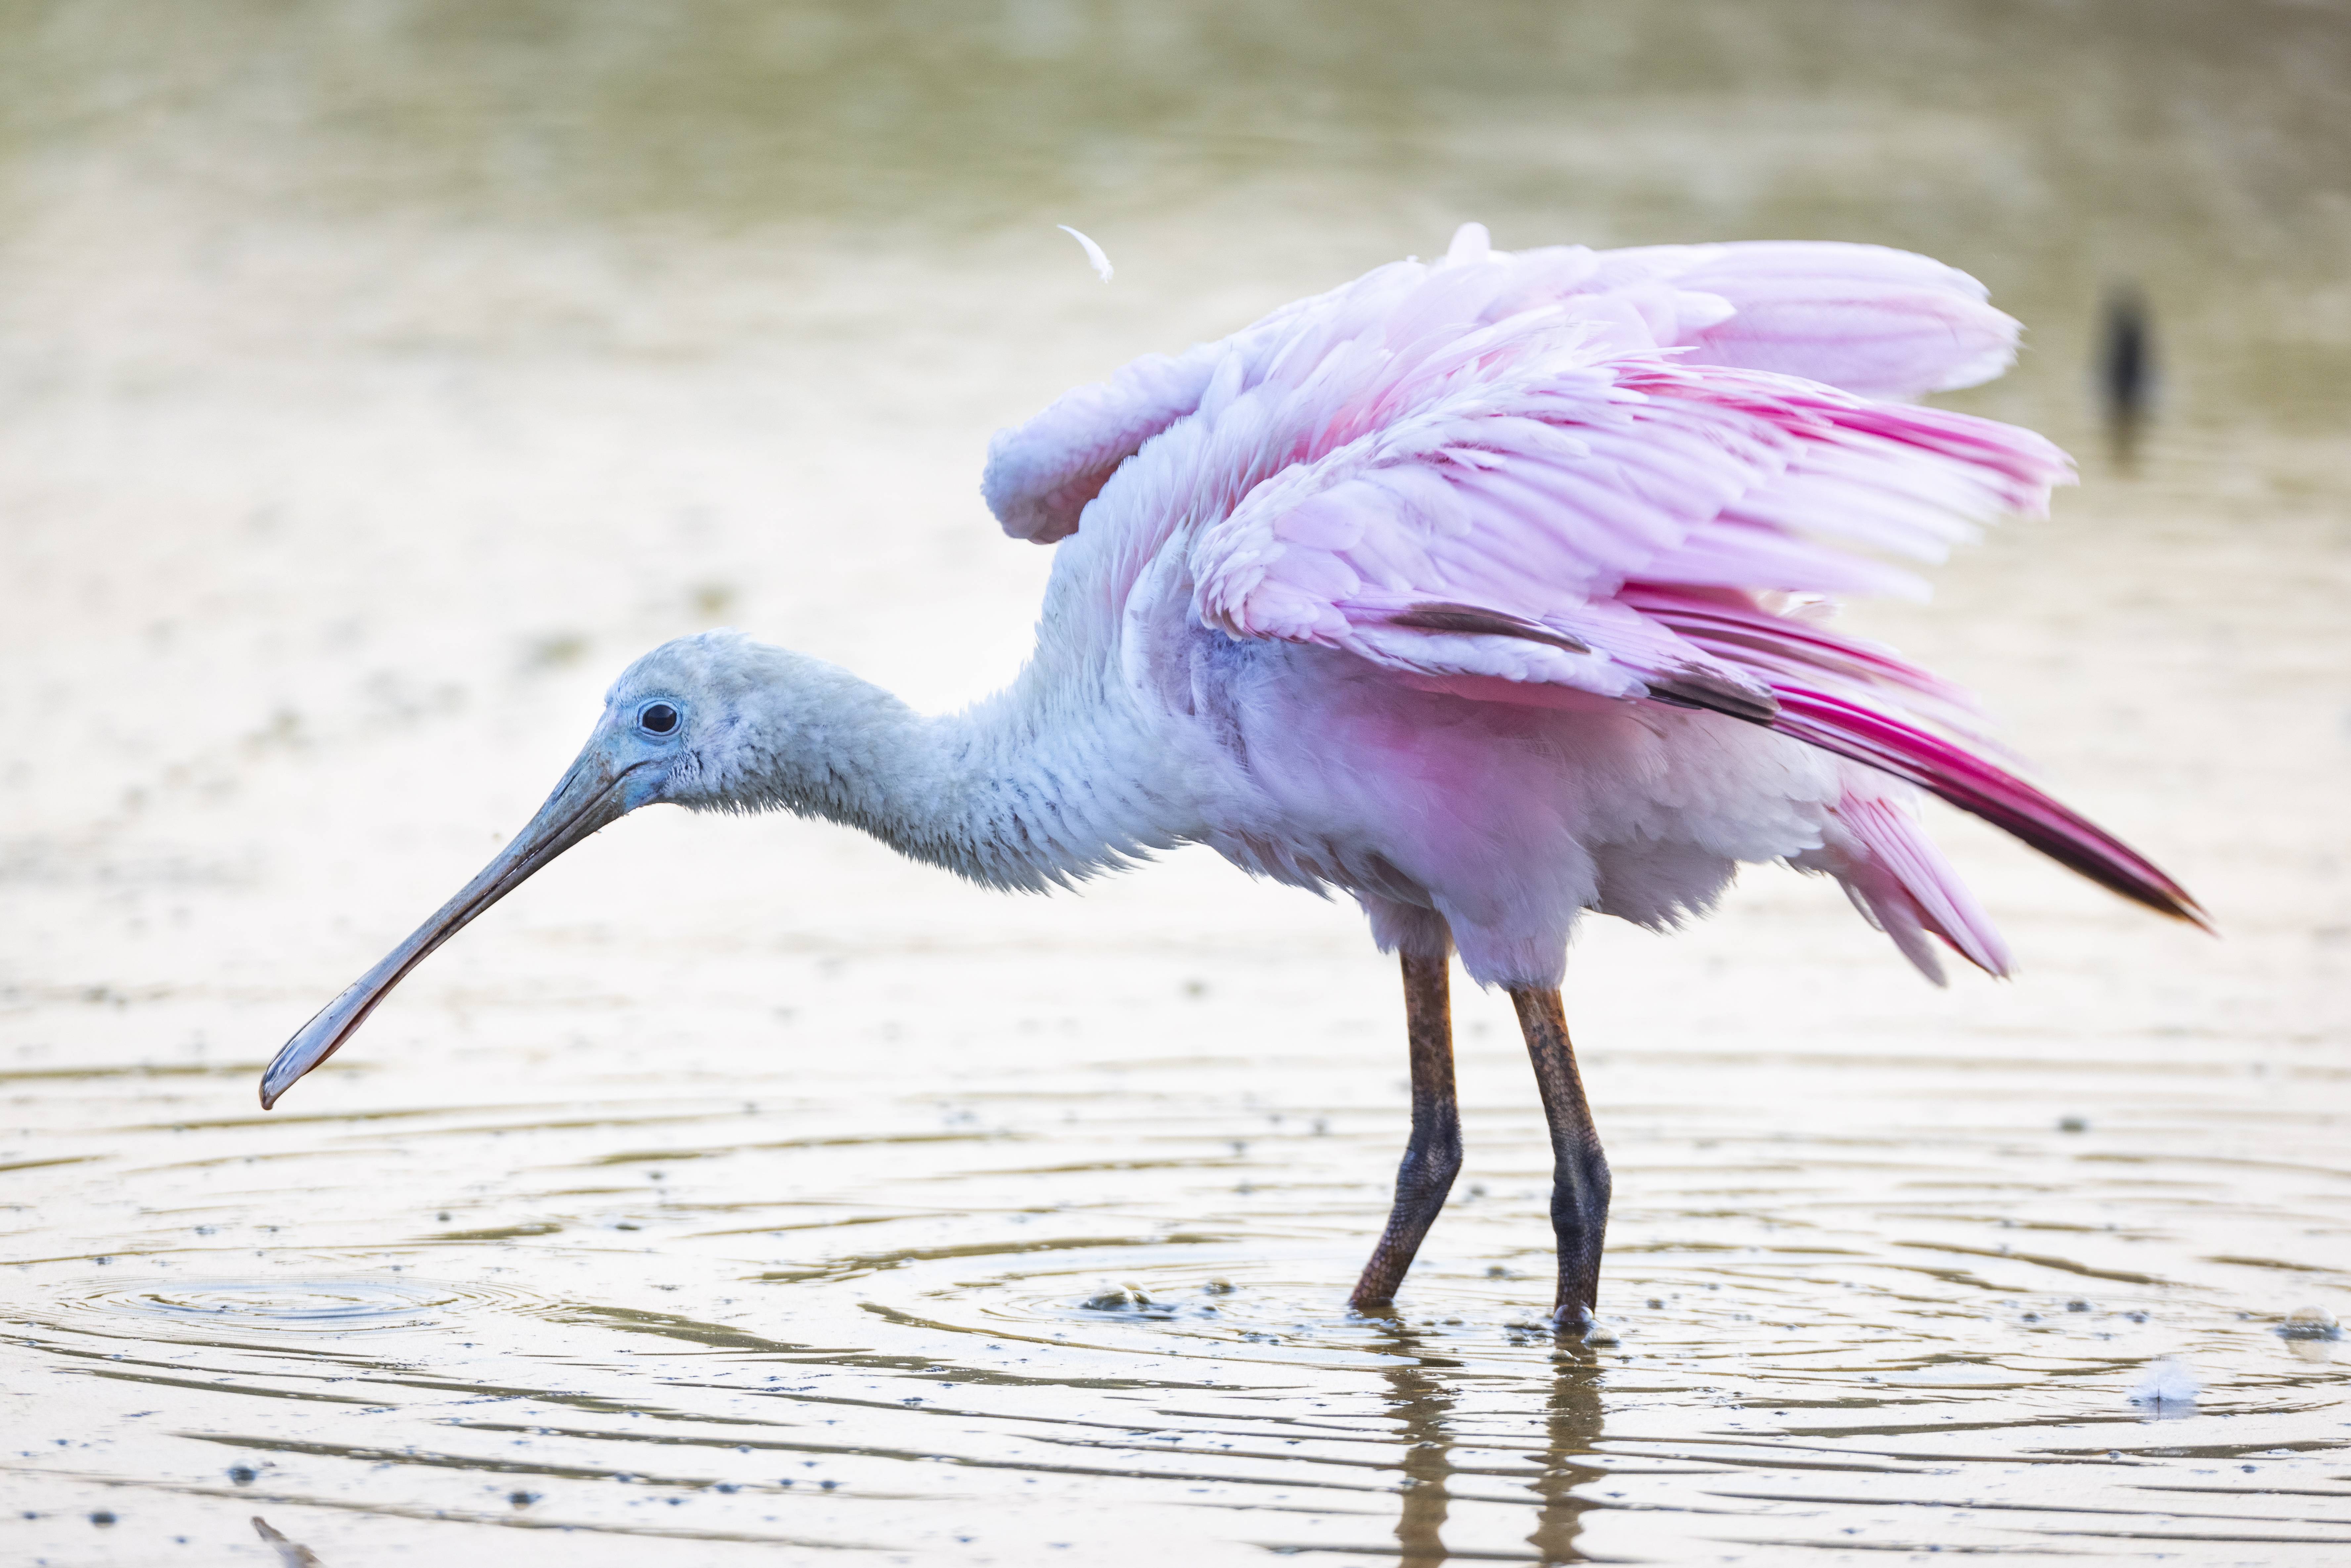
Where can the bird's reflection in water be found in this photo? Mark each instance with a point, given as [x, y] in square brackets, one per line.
[1572, 1423]
[1423, 1402]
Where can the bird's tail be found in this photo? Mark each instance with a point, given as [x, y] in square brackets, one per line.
[1903, 885]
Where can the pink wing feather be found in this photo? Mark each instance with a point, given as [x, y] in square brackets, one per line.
[1879, 322]
[1507, 476]
[1040, 475]
[1860, 317]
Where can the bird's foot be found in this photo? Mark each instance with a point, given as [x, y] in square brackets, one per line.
[1576, 1320]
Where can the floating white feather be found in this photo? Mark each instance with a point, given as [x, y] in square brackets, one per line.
[2169, 1389]
[1093, 252]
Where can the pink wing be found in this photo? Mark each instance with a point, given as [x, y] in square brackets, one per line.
[1859, 318]
[1879, 322]
[1040, 475]
[1514, 502]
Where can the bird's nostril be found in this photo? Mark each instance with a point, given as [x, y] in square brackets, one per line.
[658, 718]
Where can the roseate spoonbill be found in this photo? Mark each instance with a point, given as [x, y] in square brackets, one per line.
[1487, 591]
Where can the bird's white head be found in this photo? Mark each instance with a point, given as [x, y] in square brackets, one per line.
[713, 722]
[678, 722]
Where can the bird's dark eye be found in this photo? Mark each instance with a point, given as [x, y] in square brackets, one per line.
[657, 719]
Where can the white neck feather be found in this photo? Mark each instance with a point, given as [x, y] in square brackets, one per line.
[1045, 783]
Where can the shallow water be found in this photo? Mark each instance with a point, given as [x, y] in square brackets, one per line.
[377, 379]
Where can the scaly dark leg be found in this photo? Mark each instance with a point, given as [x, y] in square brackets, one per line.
[1579, 1192]
[1433, 1158]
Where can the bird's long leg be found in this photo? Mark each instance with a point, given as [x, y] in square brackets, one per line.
[1432, 1157]
[1579, 1192]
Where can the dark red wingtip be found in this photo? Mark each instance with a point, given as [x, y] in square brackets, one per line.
[1979, 789]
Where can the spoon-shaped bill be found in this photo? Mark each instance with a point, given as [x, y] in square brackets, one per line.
[591, 797]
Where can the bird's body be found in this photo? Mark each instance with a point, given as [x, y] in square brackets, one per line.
[1486, 593]
[1300, 764]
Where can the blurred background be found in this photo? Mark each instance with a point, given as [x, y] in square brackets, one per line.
[378, 377]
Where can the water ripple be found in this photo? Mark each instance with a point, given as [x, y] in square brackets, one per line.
[344, 1304]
